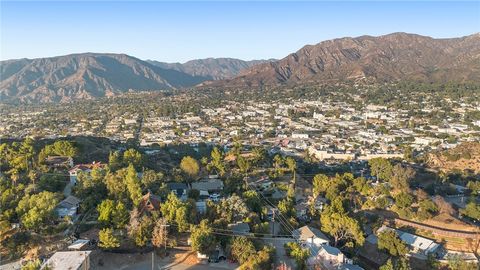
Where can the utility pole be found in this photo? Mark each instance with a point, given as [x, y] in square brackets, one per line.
[165, 236]
[153, 259]
[273, 223]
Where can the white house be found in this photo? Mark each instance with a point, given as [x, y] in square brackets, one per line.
[329, 257]
[311, 236]
[68, 207]
[83, 168]
[417, 244]
[299, 136]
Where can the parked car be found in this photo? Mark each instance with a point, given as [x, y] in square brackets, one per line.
[214, 197]
[217, 256]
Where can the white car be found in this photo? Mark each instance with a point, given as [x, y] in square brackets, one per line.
[214, 197]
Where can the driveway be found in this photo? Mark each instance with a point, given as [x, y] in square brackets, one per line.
[281, 256]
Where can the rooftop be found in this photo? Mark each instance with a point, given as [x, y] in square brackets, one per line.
[67, 260]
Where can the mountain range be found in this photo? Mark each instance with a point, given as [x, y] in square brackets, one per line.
[388, 58]
[212, 68]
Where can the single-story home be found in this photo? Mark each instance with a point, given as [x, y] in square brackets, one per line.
[68, 260]
[239, 228]
[210, 185]
[311, 236]
[68, 207]
[416, 243]
[179, 189]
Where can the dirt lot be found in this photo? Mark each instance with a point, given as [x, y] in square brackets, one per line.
[177, 260]
[449, 222]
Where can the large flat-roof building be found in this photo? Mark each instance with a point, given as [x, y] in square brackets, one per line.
[69, 260]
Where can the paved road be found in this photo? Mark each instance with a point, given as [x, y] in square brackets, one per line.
[11, 266]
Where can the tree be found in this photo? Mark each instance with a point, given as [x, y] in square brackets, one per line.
[361, 186]
[202, 238]
[217, 161]
[259, 155]
[176, 211]
[287, 206]
[427, 209]
[387, 266]
[114, 161]
[189, 166]
[320, 184]
[133, 185]
[263, 259]
[401, 177]
[291, 165]
[169, 208]
[380, 168]
[390, 241]
[233, 208]
[403, 200]
[300, 255]
[107, 239]
[59, 148]
[35, 210]
[140, 229]
[278, 163]
[160, 233]
[151, 180]
[181, 218]
[253, 201]
[32, 265]
[474, 186]
[457, 263]
[116, 184]
[472, 210]
[241, 249]
[193, 194]
[342, 228]
[52, 183]
[112, 214]
[132, 156]
[243, 164]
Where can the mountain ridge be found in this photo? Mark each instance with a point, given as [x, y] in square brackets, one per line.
[396, 56]
[213, 68]
[387, 58]
[85, 75]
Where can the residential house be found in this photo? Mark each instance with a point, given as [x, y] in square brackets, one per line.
[179, 189]
[311, 236]
[349, 266]
[210, 185]
[149, 203]
[54, 162]
[68, 207]
[301, 210]
[68, 260]
[417, 244]
[87, 168]
[331, 258]
[318, 202]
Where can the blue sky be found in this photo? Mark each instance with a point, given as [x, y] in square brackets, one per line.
[181, 31]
